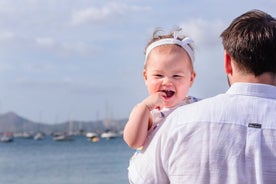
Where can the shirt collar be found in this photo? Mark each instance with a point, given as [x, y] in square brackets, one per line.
[253, 89]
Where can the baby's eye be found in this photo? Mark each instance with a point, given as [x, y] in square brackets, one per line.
[177, 76]
[158, 75]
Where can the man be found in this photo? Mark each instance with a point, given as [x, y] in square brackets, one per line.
[230, 138]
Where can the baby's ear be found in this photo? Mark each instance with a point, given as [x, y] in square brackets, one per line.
[145, 75]
[193, 76]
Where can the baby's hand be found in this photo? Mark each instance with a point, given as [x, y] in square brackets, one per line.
[155, 101]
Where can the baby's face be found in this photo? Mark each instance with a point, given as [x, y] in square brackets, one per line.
[169, 70]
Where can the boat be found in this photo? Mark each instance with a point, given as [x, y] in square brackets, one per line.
[62, 137]
[109, 135]
[7, 137]
[38, 136]
[92, 136]
[27, 135]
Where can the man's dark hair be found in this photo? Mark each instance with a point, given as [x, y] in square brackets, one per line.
[251, 41]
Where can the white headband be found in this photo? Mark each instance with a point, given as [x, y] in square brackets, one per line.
[183, 43]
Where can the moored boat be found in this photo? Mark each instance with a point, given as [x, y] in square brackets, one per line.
[92, 136]
[7, 137]
[109, 135]
[38, 136]
[62, 137]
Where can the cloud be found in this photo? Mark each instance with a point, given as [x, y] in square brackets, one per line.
[45, 42]
[64, 85]
[205, 33]
[65, 48]
[6, 35]
[105, 13]
[78, 47]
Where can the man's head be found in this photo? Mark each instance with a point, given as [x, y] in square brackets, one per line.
[250, 43]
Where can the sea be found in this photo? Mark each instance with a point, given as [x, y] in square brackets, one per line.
[80, 161]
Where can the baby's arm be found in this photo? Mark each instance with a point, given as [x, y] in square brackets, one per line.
[136, 129]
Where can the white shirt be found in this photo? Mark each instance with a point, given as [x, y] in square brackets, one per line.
[227, 139]
[158, 118]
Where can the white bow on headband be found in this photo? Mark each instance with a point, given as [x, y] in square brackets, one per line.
[183, 43]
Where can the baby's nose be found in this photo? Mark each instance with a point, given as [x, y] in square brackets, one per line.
[167, 80]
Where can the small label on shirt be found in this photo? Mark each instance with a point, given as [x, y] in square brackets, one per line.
[254, 125]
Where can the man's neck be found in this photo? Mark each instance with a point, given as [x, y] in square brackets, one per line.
[265, 78]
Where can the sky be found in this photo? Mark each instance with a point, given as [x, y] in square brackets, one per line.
[82, 60]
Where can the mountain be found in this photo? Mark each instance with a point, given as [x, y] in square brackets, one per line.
[11, 122]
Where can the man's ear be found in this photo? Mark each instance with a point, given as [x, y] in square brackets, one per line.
[228, 63]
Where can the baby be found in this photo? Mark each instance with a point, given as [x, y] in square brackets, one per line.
[168, 74]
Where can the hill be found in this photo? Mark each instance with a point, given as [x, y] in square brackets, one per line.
[11, 122]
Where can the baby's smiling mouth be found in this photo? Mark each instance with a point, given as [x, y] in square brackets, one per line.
[168, 93]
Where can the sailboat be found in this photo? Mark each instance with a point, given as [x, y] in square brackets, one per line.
[65, 136]
[62, 137]
[38, 136]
